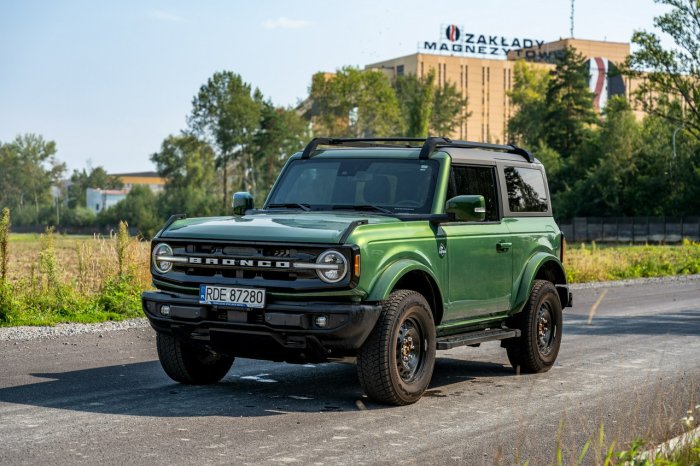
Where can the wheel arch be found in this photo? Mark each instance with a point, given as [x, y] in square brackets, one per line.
[409, 275]
[542, 266]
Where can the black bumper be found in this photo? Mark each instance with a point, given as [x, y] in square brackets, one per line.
[282, 331]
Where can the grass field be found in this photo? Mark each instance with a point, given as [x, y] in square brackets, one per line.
[48, 279]
[52, 278]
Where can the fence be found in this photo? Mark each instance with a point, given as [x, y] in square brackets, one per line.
[632, 229]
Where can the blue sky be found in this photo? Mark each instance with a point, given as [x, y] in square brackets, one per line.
[108, 81]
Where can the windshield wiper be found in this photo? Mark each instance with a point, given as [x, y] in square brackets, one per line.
[291, 205]
[363, 207]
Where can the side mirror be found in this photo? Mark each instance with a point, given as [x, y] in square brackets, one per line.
[242, 202]
[467, 208]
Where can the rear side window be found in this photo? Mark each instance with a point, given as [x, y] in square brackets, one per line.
[526, 190]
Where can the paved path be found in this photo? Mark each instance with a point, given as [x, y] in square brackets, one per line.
[103, 398]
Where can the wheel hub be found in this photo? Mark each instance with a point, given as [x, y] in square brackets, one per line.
[545, 329]
[408, 350]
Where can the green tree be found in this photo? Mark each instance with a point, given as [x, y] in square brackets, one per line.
[449, 110]
[416, 97]
[191, 185]
[28, 170]
[139, 209]
[97, 178]
[355, 103]
[226, 114]
[527, 125]
[672, 71]
[611, 180]
[282, 133]
[569, 110]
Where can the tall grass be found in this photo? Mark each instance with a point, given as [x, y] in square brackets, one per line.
[52, 279]
[588, 263]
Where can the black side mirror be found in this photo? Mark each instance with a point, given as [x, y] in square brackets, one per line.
[469, 208]
[241, 202]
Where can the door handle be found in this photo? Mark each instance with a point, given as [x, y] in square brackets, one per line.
[503, 247]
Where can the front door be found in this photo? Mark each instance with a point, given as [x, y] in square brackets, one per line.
[479, 253]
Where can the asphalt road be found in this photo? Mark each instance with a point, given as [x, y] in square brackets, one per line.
[91, 399]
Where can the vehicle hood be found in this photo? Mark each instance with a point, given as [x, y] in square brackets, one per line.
[298, 227]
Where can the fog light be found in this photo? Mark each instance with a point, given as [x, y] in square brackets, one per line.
[321, 321]
[165, 310]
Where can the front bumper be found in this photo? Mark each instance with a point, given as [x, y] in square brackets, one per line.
[282, 331]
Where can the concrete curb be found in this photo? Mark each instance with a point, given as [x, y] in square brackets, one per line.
[670, 447]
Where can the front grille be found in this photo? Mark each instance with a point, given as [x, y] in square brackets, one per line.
[274, 267]
[246, 262]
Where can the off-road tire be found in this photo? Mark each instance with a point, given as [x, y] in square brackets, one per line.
[395, 364]
[540, 324]
[189, 364]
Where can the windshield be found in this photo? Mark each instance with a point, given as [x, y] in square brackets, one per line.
[384, 185]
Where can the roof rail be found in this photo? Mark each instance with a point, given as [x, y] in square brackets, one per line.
[428, 146]
[433, 143]
[357, 142]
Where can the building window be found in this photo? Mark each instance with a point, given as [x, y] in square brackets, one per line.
[399, 70]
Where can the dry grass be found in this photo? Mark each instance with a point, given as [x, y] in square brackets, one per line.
[589, 263]
[53, 278]
[83, 262]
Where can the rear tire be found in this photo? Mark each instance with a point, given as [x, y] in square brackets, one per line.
[540, 324]
[395, 364]
[189, 364]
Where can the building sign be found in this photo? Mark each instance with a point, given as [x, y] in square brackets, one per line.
[605, 81]
[455, 40]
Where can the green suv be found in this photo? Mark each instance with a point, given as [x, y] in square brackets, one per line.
[383, 250]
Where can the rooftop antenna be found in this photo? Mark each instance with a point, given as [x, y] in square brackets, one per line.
[571, 30]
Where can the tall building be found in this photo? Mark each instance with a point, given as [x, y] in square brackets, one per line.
[482, 68]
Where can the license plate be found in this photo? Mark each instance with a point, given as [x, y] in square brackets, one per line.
[234, 297]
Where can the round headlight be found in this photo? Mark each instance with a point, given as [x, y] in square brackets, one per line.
[160, 251]
[334, 266]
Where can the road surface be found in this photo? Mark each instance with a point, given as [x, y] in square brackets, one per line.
[103, 398]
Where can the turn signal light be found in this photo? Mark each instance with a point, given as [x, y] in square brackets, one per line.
[356, 265]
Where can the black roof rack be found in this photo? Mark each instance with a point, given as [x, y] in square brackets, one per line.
[427, 145]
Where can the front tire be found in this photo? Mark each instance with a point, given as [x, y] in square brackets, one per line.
[189, 364]
[540, 324]
[395, 364]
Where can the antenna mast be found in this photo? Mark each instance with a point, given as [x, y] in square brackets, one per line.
[571, 31]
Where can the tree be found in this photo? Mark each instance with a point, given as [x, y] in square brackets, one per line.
[191, 185]
[81, 180]
[28, 170]
[609, 182]
[226, 114]
[449, 110]
[282, 133]
[670, 72]
[526, 127]
[139, 209]
[569, 104]
[355, 103]
[416, 97]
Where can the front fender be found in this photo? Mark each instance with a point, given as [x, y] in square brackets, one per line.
[382, 286]
[524, 284]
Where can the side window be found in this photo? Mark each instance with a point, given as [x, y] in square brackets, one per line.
[476, 181]
[526, 191]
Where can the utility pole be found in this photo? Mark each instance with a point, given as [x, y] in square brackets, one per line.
[571, 30]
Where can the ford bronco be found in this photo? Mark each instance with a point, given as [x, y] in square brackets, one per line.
[382, 250]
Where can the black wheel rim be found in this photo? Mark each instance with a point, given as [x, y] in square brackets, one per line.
[409, 349]
[546, 329]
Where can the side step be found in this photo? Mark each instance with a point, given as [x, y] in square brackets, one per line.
[473, 338]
